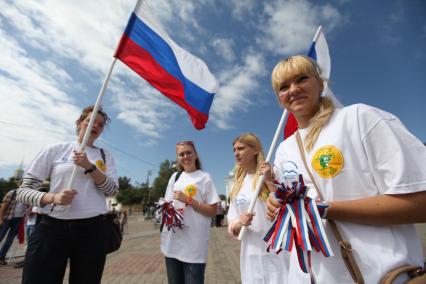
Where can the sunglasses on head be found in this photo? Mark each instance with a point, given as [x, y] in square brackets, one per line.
[185, 143]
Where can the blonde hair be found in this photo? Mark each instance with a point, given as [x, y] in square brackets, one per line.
[296, 65]
[240, 173]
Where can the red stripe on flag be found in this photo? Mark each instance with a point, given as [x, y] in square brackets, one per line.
[140, 61]
[291, 126]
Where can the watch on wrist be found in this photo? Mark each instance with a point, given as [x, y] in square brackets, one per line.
[89, 170]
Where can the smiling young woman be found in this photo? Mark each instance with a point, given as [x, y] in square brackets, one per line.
[194, 194]
[363, 160]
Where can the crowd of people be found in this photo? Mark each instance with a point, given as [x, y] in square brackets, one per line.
[360, 161]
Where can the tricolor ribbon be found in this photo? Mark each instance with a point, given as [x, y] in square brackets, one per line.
[298, 223]
[170, 216]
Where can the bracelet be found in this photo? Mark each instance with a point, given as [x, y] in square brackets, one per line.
[189, 201]
[91, 169]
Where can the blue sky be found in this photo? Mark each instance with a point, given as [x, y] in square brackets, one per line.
[55, 55]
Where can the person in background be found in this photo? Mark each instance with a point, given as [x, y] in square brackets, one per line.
[220, 212]
[76, 233]
[368, 167]
[256, 264]
[194, 193]
[11, 216]
[123, 221]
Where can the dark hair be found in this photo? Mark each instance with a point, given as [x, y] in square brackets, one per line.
[86, 111]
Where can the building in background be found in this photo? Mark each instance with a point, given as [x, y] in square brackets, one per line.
[229, 182]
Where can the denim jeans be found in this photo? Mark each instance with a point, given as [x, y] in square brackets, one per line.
[12, 226]
[179, 272]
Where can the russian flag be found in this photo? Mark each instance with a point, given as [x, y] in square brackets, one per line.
[320, 53]
[176, 73]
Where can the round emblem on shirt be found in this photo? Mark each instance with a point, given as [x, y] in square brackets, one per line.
[190, 190]
[327, 161]
[101, 165]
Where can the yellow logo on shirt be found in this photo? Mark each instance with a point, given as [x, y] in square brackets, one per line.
[190, 190]
[101, 165]
[327, 161]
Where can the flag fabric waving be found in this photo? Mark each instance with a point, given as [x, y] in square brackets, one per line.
[176, 73]
[320, 53]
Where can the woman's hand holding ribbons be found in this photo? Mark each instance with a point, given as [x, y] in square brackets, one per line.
[297, 221]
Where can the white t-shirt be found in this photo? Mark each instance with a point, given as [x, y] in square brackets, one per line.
[361, 152]
[190, 243]
[256, 264]
[56, 162]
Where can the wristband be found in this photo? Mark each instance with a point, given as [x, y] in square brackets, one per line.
[189, 201]
[89, 170]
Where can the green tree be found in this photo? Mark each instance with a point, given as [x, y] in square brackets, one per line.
[160, 182]
[124, 183]
[6, 185]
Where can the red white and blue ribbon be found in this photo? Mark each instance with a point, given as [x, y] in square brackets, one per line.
[298, 223]
[170, 216]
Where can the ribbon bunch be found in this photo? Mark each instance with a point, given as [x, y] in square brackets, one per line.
[298, 222]
[170, 216]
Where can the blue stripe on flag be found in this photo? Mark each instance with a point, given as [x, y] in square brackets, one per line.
[146, 38]
[312, 52]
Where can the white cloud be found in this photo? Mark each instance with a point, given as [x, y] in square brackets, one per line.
[242, 8]
[142, 107]
[224, 48]
[85, 31]
[236, 92]
[35, 110]
[290, 25]
[46, 44]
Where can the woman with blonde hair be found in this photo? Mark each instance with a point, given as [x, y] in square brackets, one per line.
[191, 191]
[256, 264]
[367, 166]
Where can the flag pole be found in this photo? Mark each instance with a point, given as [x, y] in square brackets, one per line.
[90, 125]
[261, 179]
[317, 33]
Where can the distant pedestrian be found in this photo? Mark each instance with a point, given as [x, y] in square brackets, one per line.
[220, 213]
[194, 193]
[77, 233]
[123, 221]
[11, 216]
[256, 264]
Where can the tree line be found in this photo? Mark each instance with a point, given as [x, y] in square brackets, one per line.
[143, 193]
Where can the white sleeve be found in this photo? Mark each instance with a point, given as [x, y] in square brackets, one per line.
[111, 171]
[396, 157]
[232, 213]
[210, 195]
[41, 165]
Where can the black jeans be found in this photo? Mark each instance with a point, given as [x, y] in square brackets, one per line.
[179, 272]
[54, 241]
